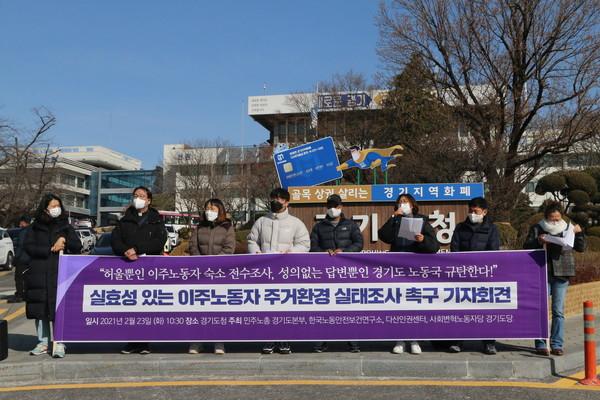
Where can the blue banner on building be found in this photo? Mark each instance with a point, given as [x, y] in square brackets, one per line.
[428, 191]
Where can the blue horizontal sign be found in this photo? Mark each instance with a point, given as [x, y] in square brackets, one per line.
[309, 164]
[428, 191]
[347, 100]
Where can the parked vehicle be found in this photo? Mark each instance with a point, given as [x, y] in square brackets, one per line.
[7, 250]
[173, 236]
[103, 247]
[88, 239]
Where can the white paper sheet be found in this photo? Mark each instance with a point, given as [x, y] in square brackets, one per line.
[409, 227]
[567, 241]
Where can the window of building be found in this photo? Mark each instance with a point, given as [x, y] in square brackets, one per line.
[115, 200]
[127, 180]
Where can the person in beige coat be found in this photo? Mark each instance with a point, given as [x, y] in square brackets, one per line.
[278, 232]
[215, 236]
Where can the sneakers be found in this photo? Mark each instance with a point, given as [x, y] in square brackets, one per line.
[15, 299]
[268, 348]
[454, 349]
[220, 348]
[353, 347]
[141, 348]
[40, 349]
[320, 347]
[542, 351]
[195, 348]
[398, 348]
[58, 350]
[284, 348]
[415, 348]
[557, 352]
[489, 349]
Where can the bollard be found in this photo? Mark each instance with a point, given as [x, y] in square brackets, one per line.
[589, 333]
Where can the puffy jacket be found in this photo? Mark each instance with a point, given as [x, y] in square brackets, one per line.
[145, 233]
[42, 275]
[468, 236]
[327, 236]
[388, 233]
[213, 239]
[560, 262]
[21, 256]
[278, 232]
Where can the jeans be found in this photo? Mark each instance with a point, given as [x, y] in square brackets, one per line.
[42, 327]
[557, 288]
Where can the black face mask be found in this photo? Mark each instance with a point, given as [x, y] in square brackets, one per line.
[276, 206]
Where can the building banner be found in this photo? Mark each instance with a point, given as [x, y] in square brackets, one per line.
[303, 297]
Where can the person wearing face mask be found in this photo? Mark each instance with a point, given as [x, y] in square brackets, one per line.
[214, 236]
[139, 232]
[278, 232]
[50, 234]
[334, 235]
[561, 265]
[476, 233]
[424, 242]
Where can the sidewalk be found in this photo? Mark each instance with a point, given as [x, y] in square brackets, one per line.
[170, 361]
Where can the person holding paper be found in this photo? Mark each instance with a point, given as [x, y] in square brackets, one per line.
[336, 234]
[476, 233]
[394, 233]
[561, 265]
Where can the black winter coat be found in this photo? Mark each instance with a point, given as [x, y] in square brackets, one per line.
[42, 275]
[468, 236]
[21, 256]
[327, 236]
[146, 233]
[388, 233]
[560, 262]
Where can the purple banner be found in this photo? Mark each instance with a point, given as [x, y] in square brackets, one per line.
[303, 297]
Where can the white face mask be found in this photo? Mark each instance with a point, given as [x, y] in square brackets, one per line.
[211, 215]
[475, 218]
[334, 212]
[55, 212]
[405, 208]
[355, 155]
[138, 203]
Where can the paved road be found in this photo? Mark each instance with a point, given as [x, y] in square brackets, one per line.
[566, 389]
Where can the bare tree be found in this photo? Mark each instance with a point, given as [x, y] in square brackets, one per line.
[200, 174]
[524, 74]
[26, 165]
[240, 177]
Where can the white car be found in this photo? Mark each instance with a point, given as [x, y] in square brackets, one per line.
[173, 236]
[7, 252]
[88, 239]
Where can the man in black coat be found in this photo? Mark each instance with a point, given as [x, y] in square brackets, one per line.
[21, 259]
[476, 233]
[335, 234]
[139, 232]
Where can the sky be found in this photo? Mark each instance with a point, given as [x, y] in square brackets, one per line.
[133, 75]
